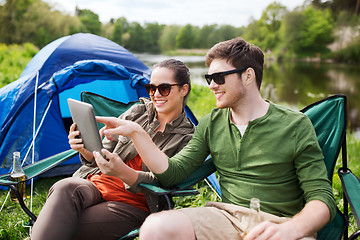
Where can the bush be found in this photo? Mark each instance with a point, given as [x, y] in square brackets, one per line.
[13, 60]
[201, 100]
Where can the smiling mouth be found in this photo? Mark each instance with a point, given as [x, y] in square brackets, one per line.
[160, 101]
[218, 94]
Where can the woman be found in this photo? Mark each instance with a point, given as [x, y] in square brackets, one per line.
[94, 205]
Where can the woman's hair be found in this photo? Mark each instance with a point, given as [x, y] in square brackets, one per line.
[239, 54]
[181, 73]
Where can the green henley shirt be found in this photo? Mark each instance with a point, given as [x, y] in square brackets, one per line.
[278, 160]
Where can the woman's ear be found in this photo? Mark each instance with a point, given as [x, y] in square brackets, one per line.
[184, 90]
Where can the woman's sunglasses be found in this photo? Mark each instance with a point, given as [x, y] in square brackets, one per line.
[164, 89]
[219, 77]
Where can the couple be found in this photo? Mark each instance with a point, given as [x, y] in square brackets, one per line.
[260, 150]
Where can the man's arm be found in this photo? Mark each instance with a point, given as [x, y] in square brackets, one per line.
[154, 159]
[311, 219]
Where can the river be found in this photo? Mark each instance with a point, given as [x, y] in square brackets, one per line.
[294, 84]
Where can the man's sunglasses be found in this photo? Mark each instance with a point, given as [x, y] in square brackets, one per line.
[219, 77]
[164, 89]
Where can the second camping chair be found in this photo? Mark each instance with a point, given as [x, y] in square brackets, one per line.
[328, 117]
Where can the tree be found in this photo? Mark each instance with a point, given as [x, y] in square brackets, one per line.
[336, 6]
[316, 31]
[121, 25]
[272, 16]
[203, 37]
[227, 32]
[11, 17]
[309, 31]
[186, 37]
[167, 39]
[292, 23]
[152, 36]
[266, 32]
[34, 21]
[41, 25]
[90, 22]
[137, 38]
[107, 30]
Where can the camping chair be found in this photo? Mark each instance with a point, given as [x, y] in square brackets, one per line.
[329, 119]
[351, 187]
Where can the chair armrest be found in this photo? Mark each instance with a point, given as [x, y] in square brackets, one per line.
[351, 187]
[41, 166]
[46, 164]
[158, 190]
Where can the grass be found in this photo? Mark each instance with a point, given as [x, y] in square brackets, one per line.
[13, 220]
[187, 52]
[201, 101]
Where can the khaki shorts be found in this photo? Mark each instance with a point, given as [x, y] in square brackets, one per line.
[224, 221]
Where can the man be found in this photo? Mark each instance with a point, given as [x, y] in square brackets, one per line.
[260, 150]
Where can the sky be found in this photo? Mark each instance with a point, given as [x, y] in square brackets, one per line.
[195, 12]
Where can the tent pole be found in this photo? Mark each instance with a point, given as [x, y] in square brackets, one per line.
[37, 132]
[33, 142]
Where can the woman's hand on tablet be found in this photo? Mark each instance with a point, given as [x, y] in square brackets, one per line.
[76, 143]
[113, 165]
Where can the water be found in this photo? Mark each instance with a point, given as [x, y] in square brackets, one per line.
[294, 84]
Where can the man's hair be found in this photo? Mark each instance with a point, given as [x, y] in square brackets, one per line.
[239, 54]
[181, 73]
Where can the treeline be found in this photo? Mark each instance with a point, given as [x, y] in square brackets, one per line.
[305, 31]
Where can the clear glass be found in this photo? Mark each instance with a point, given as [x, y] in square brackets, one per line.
[254, 215]
[18, 175]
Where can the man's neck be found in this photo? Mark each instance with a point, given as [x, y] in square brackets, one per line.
[249, 110]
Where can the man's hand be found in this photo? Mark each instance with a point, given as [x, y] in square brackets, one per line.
[116, 126]
[152, 156]
[271, 231]
[314, 216]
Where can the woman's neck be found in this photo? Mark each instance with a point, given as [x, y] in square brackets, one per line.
[166, 118]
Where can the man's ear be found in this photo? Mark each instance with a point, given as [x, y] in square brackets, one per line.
[249, 76]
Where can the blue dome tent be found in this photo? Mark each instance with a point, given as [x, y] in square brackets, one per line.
[62, 69]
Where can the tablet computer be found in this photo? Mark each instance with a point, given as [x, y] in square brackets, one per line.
[83, 115]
